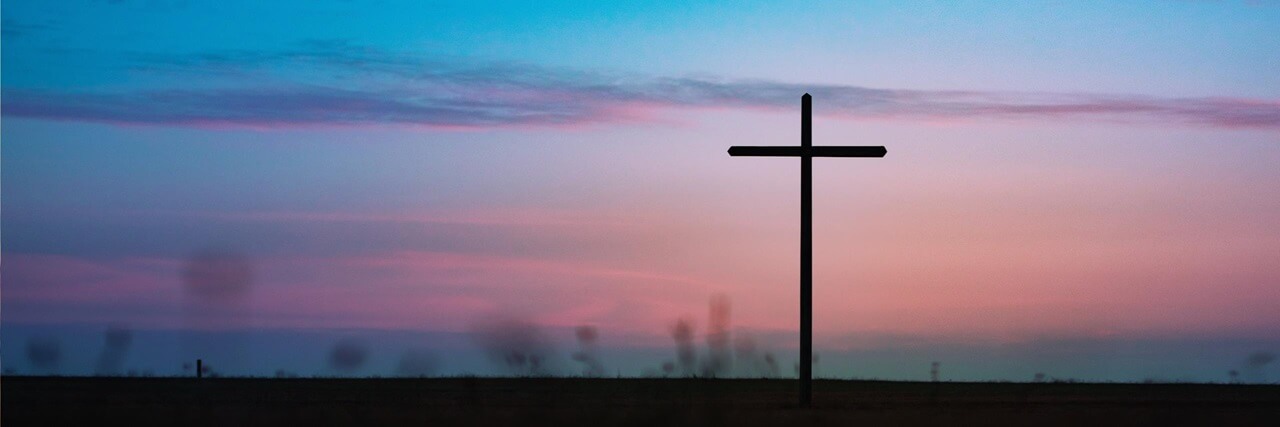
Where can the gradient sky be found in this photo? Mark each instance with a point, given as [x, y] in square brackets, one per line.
[1082, 188]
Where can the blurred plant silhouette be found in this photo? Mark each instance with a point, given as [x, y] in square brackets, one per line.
[115, 347]
[518, 345]
[1256, 364]
[348, 355]
[587, 353]
[718, 362]
[44, 354]
[686, 356]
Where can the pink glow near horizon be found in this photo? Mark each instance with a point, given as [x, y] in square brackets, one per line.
[1006, 265]
[997, 232]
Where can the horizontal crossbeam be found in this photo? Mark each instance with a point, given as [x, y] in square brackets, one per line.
[816, 151]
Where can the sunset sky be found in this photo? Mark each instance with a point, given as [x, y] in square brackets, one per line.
[1089, 189]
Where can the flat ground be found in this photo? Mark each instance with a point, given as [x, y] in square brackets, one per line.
[646, 402]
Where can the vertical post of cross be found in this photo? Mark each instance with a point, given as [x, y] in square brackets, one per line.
[806, 250]
[199, 368]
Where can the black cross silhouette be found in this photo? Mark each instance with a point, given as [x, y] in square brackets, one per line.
[806, 152]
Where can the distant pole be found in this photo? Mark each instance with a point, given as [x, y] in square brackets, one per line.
[199, 368]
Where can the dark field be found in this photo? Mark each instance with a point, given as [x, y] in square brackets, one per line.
[648, 402]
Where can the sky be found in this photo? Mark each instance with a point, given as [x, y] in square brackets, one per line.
[1080, 189]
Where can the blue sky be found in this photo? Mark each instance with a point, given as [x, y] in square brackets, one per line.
[1177, 48]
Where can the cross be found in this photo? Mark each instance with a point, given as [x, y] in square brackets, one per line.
[806, 152]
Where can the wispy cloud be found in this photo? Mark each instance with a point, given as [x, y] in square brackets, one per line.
[339, 84]
[522, 217]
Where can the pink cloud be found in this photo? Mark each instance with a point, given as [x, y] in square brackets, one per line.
[527, 217]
